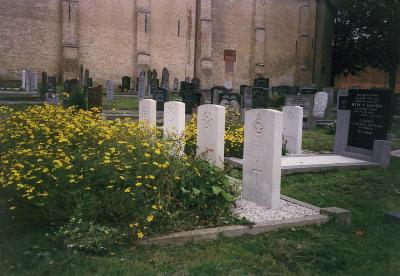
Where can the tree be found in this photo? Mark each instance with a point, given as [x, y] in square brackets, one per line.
[367, 33]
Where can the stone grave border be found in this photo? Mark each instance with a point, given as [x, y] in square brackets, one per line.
[232, 231]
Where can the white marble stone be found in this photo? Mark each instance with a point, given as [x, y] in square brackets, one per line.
[320, 104]
[262, 157]
[174, 118]
[293, 128]
[148, 111]
[210, 133]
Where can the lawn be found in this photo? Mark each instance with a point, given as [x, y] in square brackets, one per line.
[121, 103]
[328, 249]
[318, 140]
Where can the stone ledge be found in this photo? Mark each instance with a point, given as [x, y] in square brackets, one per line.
[181, 238]
[341, 215]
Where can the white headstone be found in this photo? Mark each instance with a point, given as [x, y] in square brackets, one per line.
[174, 118]
[262, 157]
[210, 133]
[293, 128]
[23, 79]
[110, 90]
[320, 104]
[148, 111]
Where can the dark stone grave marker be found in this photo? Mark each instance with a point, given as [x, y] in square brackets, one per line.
[187, 91]
[370, 117]
[165, 78]
[161, 96]
[126, 84]
[52, 84]
[45, 84]
[95, 97]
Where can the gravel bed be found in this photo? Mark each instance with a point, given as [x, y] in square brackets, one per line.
[257, 213]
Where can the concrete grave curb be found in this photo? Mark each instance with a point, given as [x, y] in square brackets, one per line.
[232, 231]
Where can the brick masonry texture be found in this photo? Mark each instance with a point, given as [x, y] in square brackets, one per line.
[114, 38]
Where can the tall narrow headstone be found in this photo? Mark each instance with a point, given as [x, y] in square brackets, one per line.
[126, 84]
[81, 76]
[293, 128]
[148, 112]
[165, 78]
[52, 84]
[320, 104]
[23, 79]
[262, 157]
[176, 85]
[148, 82]
[86, 79]
[95, 97]
[210, 133]
[45, 84]
[28, 87]
[174, 118]
[110, 90]
[34, 82]
[142, 85]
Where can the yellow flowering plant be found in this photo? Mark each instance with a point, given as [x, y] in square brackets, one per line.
[72, 169]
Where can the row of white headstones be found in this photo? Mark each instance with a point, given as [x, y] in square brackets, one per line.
[264, 130]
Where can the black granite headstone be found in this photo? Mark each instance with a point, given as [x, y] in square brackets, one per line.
[126, 83]
[261, 82]
[187, 92]
[161, 96]
[370, 117]
[45, 84]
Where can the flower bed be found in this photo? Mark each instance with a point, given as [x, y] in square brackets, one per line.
[98, 180]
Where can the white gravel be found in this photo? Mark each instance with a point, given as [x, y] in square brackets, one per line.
[257, 213]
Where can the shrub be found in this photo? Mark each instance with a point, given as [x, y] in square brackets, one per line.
[86, 175]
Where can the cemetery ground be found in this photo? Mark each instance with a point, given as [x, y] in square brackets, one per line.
[369, 245]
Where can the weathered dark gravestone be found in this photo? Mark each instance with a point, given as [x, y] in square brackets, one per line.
[34, 82]
[81, 76]
[260, 97]
[196, 83]
[86, 80]
[95, 97]
[110, 90]
[52, 84]
[165, 78]
[126, 84]
[370, 117]
[311, 89]
[247, 96]
[45, 85]
[261, 82]
[142, 85]
[161, 96]
[149, 78]
[230, 101]
[307, 103]
[90, 82]
[155, 83]
[188, 96]
[216, 93]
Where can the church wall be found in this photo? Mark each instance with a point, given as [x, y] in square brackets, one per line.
[167, 49]
[30, 37]
[107, 39]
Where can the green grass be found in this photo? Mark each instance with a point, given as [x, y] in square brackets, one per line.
[328, 249]
[121, 103]
[318, 140]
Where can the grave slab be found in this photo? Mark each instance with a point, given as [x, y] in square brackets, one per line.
[314, 163]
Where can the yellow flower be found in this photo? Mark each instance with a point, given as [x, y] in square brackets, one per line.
[139, 177]
[152, 176]
[154, 207]
[150, 218]
[110, 187]
[177, 178]
[122, 177]
[138, 184]
[127, 190]
[12, 208]
[157, 151]
[140, 235]
[146, 155]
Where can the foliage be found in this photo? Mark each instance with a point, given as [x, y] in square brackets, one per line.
[72, 169]
[329, 249]
[234, 136]
[76, 98]
[367, 34]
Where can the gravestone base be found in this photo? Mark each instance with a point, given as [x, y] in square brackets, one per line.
[381, 152]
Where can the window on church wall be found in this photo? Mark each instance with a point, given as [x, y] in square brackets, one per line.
[145, 23]
[179, 27]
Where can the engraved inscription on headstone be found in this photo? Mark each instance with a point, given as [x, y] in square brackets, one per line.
[370, 117]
